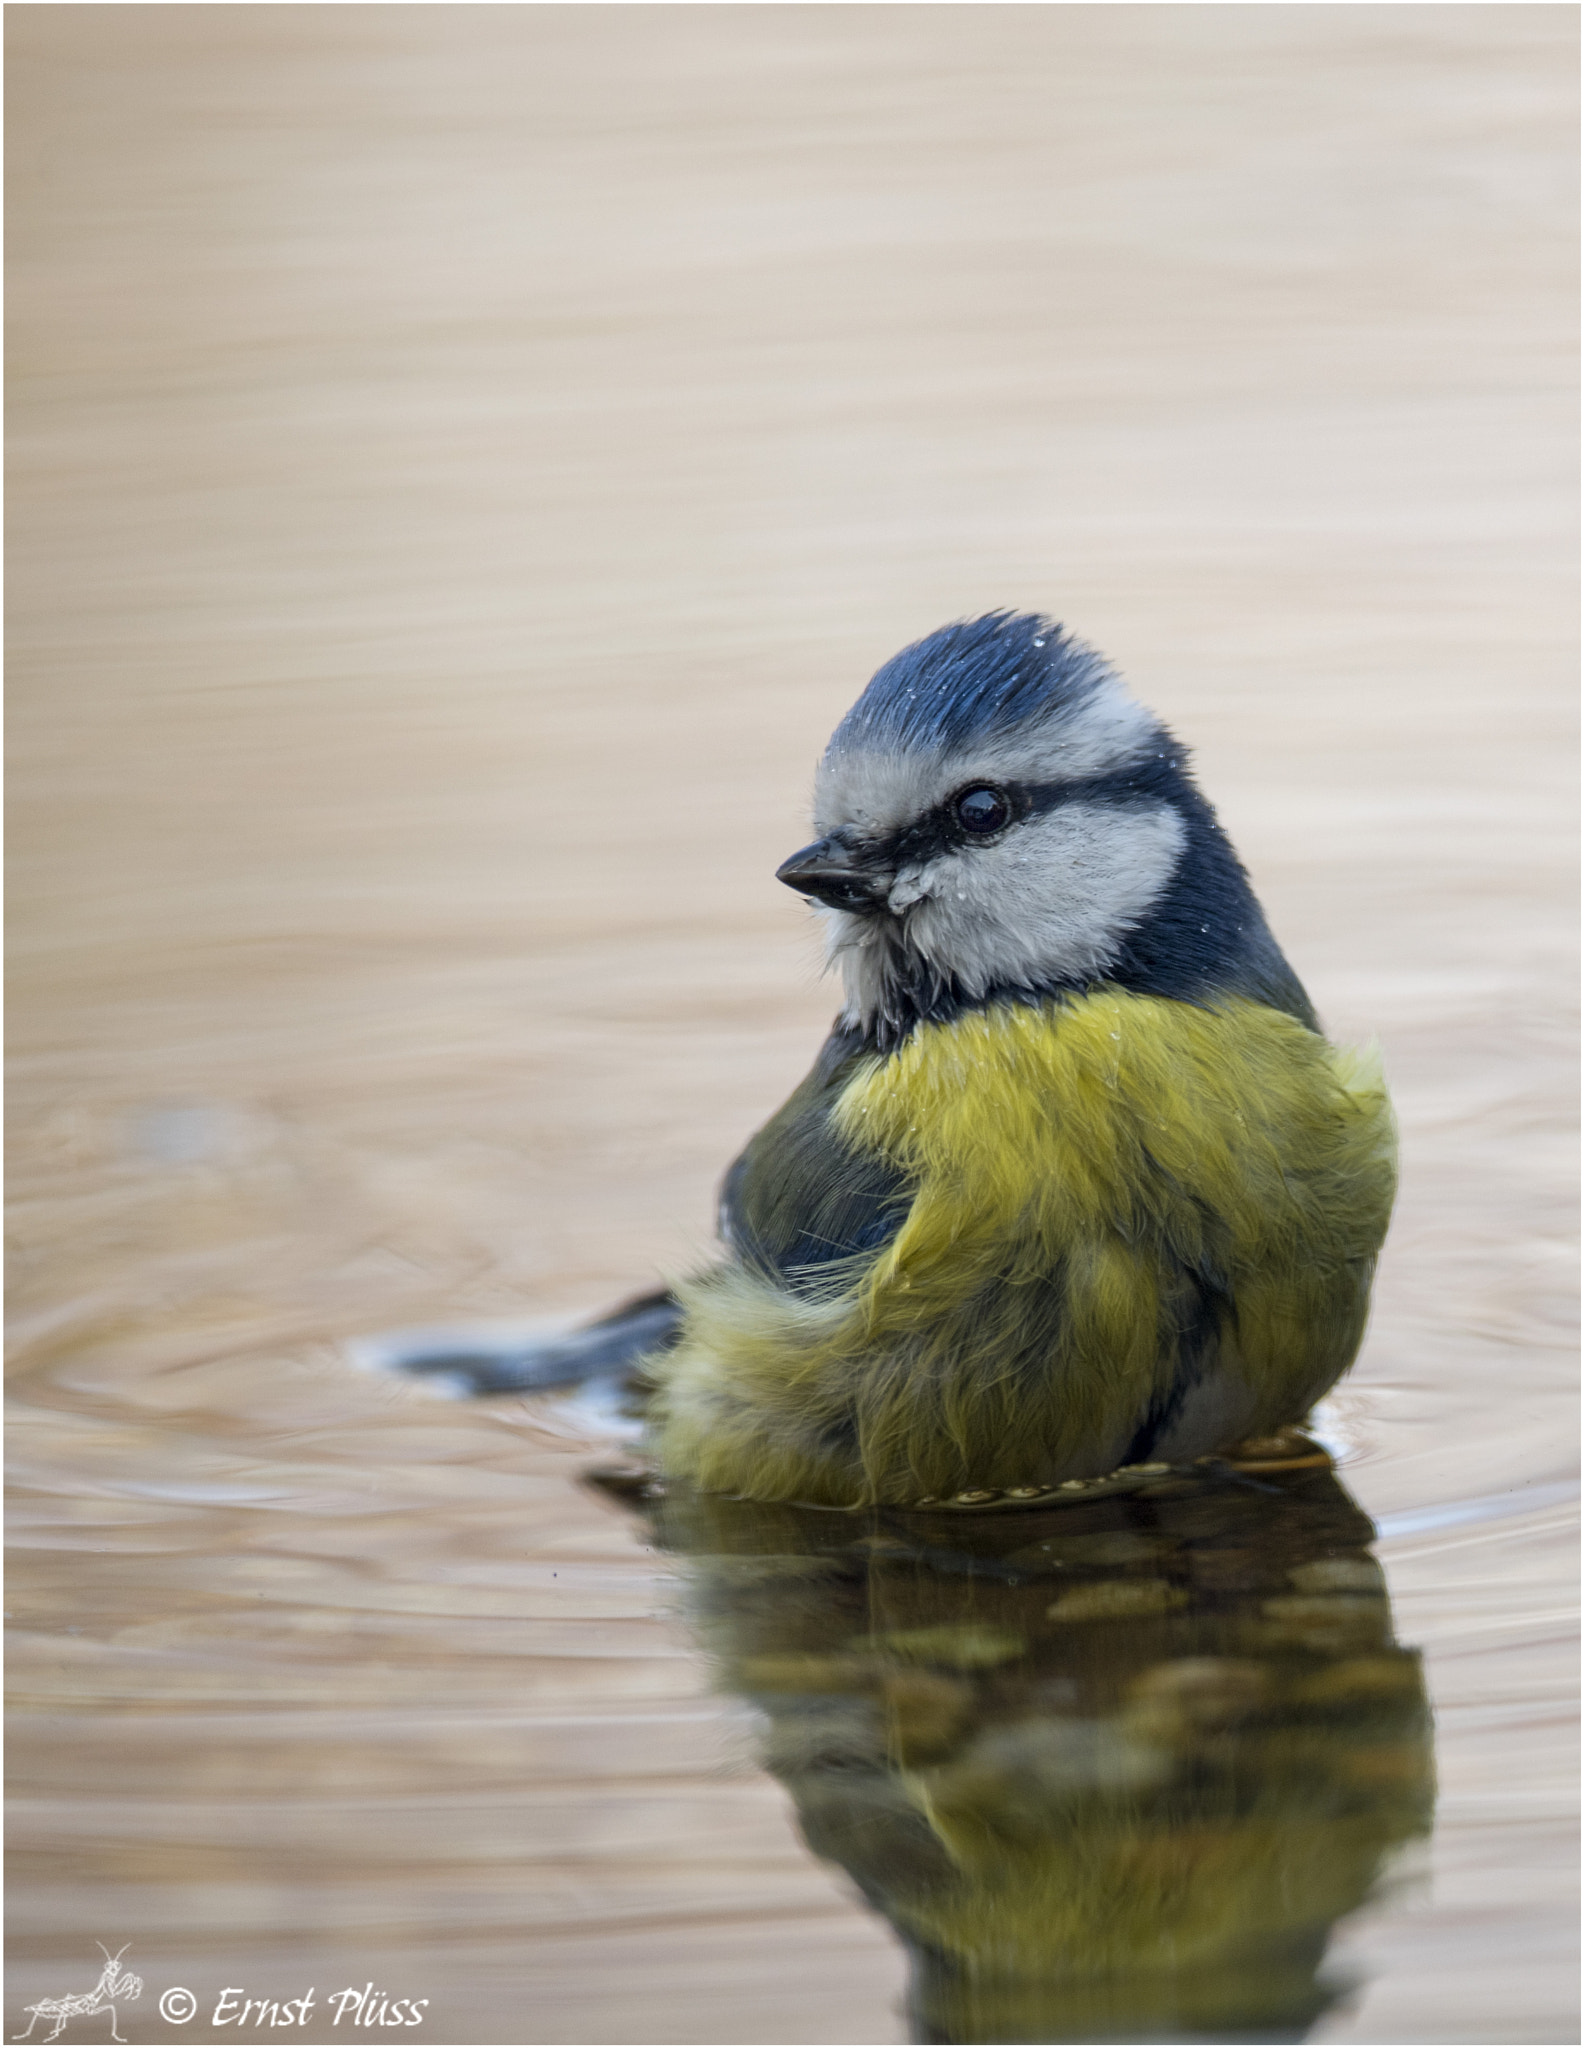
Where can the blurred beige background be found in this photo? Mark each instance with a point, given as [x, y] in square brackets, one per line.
[462, 462]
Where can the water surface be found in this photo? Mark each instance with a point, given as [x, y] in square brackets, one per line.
[463, 462]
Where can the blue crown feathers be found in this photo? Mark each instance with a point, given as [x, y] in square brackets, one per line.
[971, 679]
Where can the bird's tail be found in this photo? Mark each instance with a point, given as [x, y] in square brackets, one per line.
[482, 1362]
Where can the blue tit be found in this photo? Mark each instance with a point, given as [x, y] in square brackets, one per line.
[1076, 1183]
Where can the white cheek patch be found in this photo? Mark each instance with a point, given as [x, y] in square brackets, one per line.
[1053, 901]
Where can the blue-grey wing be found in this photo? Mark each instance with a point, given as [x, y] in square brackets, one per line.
[799, 1197]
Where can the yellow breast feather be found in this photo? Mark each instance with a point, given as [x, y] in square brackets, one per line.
[1129, 1210]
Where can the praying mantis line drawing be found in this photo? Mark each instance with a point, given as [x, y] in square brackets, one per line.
[114, 1983]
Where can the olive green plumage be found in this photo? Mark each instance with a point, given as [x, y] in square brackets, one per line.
[1076, 1184]
[1130, 1223]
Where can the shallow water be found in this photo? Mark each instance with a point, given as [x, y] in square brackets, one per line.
[462, 462]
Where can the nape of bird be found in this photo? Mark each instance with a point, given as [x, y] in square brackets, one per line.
[1075, 1184]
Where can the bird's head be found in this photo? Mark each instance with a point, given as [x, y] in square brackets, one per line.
[996, 814]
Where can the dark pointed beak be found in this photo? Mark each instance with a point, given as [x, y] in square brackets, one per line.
[830, 873]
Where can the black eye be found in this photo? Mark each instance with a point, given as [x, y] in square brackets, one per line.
[982, 810]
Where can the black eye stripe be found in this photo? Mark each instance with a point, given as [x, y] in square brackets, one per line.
[1152, 778]
[941, 831]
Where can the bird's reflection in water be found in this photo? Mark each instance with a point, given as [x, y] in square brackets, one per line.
[1112, 1770]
